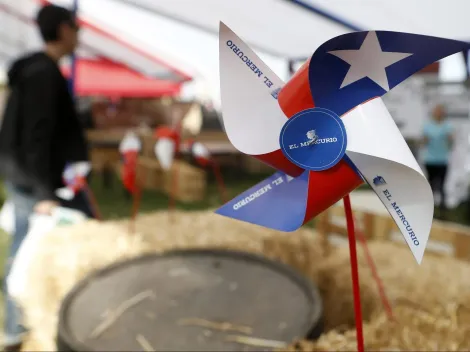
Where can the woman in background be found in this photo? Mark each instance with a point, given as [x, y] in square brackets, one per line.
[437, 142]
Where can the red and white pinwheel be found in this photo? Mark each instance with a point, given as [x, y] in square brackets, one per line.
[167, 146]
[74, 177]
[130, 148]
[199, 152]
[327, 131]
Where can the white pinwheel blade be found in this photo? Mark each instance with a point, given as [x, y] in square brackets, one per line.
[82, 168]
[251, 114]
[65, 193]
[379, 151]
[130, 142]
[77, 169]
[200, 151]
[165, 152]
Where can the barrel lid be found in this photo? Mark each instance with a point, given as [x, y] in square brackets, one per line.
[179, 301]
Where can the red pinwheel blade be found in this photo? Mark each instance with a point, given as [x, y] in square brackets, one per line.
[284, 203]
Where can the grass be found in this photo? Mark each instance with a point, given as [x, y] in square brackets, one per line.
[114, 203]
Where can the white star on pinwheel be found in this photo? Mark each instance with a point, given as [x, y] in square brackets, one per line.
[368, 61]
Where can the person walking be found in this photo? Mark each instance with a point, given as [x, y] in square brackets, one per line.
[40, 134]
[437, 140]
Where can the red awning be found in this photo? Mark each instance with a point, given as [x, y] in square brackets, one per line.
[106, 78]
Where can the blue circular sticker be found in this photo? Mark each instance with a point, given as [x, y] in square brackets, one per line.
[314, 139]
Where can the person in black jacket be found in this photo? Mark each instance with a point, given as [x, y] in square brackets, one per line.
[40, 133]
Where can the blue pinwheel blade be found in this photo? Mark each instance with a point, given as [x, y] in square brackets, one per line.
[353, 68]
[278, 203]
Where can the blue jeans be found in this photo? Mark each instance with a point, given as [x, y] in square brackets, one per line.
[23, 203]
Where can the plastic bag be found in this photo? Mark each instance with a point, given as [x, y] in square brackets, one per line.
[7, 217]
[39, 226]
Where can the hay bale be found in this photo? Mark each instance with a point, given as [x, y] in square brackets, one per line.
[66, 255]
[413, 330]
[62, 259]
[430, 301]
[435, 283]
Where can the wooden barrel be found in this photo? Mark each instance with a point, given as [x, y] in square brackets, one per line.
[189, 300]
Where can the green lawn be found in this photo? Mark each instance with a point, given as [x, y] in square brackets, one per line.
[114, 204]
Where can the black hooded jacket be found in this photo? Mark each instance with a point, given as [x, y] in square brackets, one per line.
[40, 131]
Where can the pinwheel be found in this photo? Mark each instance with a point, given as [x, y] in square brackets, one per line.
[199, 152]
[166, 149]
[203, 157]
[167, 146]
[129, 148]
[327, 131]
[74, 177]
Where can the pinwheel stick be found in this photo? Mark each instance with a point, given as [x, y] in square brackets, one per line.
[375, 275]
[220, 182]
[137, 197]
[173, 191]
[93, 202]
[174, 171]
[354, 273]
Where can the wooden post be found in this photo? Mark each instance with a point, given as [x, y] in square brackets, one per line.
[323, 229]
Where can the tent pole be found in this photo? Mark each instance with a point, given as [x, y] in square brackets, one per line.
[325, 14]
[291, 67]
[465, 54]
[73, 61]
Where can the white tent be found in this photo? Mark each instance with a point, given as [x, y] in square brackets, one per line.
[448, 19]
[275, 28]
[18, 34]
[184, 32]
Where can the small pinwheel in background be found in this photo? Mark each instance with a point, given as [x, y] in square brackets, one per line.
[327, 131]
[199, 152]
[74, 177]
[167, 146]
[203, 157]
[166, 150]
[130, 148]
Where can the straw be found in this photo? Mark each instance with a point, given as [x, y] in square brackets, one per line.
[375, 274]
[431, 301]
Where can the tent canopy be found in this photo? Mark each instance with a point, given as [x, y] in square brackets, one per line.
[448, 19]
[19, 30]
[275, 27]
[106, 78]
[184, 32]
[287, 28]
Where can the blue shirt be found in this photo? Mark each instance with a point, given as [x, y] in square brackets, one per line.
[436, 151]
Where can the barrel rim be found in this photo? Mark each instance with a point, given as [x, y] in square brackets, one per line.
[309, 288]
